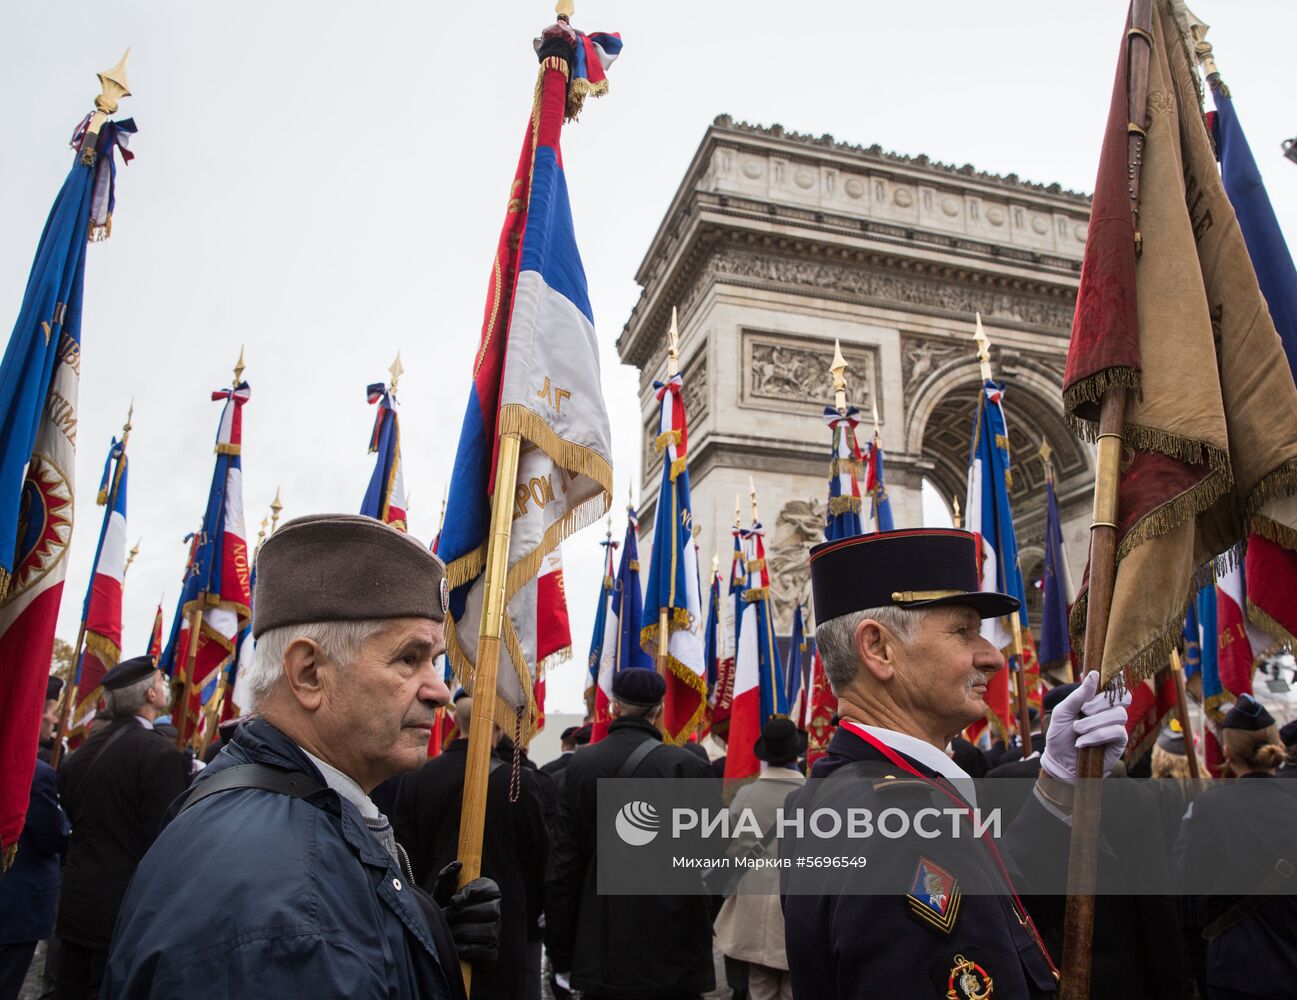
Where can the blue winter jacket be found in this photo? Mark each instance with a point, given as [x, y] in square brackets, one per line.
[253, 894]
[29, 890]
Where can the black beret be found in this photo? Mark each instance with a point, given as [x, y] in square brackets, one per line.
[639, 686]
[582, 735]
[1247, 713]
[54, 688]
[1288, 734]
[915, 568]
[128, 672]
[344, 567]
[568, 734]
[1055, 695]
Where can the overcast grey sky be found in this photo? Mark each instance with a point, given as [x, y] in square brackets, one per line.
[324, 183]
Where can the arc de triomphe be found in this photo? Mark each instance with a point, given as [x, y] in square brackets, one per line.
[777, 243]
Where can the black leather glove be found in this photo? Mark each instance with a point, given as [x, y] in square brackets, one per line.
[473, 913]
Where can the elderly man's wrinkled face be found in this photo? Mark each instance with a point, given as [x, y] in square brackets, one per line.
[943, 674]
[380, 709]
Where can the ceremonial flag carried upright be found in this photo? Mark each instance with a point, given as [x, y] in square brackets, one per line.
[759, 684]
[385, 496]
[1239, 644]
[723, 698]
[622, 627]
[797, 661]
[1056, 584]
[155, 636]
[535, 378]
[880, 508]
[673, 593]
[990, 518]
[600, 620]
[38, 421]
[217, 595]
[843, 518]
[1271, 561]
[101, 615]
[1210, 438]
[713, 647]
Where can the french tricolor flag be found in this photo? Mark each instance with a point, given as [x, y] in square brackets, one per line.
[536, 375]
[102, 612]
[385, 497]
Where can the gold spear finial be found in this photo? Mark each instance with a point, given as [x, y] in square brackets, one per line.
[397, 370]
[716, 563]
[1045, 454]
[1201, 47]
[873, 405]
[261, 535]
[738, 510]
[983, 349]
[955, 503]
[565, 9]
[113, 87]
[276, 505]
[239, 366]
[839, 372]
[752, 495]
[673, 346]
[130, 556]
[126, 427]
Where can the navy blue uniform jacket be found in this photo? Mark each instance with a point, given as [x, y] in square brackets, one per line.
[255, 894]
[854, 947]
[29, 890]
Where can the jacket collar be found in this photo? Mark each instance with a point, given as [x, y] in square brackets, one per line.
[785, 774]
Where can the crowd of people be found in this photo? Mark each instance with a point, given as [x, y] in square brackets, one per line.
[315, 851]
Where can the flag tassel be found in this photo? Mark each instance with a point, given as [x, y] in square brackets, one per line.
[477, 767]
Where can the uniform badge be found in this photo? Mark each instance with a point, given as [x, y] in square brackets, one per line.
[934, 896]
[445, 596]
[968, 981]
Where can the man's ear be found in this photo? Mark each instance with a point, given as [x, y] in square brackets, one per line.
[302, 662]
[875, 649]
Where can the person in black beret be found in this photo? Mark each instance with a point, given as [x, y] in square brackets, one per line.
[50, 718]
[277, 874]
[115, 788]
[608, 958]
[900, 629]
[750, 925]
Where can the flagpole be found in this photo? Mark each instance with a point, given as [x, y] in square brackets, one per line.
[1019, 669]
[1182, 712]
[673, 368]
[1082, 868]
[74, 682]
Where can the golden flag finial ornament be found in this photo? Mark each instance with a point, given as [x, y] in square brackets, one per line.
[130, 556]
[397, 370]
[1197, 29]
[738, 510]
[239, 367]
[873, 405]
[261, 535]
[752, 495]
[126, 427]
[565, 9]
[276, 505]
[112, 88]
[839, 372]
[673, 346]
[983, 349]
[954, 501]
[1046, 453]
[716, 563]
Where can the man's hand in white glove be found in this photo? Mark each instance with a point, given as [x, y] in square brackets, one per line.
[1084, 719]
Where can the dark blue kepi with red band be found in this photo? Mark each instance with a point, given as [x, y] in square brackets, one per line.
[915, 568]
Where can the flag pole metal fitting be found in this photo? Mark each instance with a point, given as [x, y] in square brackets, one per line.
[113, 87]
[396, 371]
[673, 347]
[839, 372]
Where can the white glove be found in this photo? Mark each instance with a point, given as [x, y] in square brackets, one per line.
[1085, 719]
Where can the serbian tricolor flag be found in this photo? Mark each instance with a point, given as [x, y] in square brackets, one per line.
[880, 508]
[218, 588]
[845, 466]
[553, 632]
[536, 375]
[673, 589]
[622, 627]
[38, 424]
[759, 687]
[101, 615]
[1209, 457]
[600, 620]
[155, 636]
[385, 497]
[1271, 561]
[989, 517]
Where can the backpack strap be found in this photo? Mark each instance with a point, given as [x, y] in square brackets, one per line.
[269, 779]
[637, 756]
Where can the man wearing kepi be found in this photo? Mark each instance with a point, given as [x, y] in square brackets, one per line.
[899, 618]
[278, 876]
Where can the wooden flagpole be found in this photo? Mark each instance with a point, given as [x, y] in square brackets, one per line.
[70, 689]
[1019, 670]
[1182, 713]
[1082, 871]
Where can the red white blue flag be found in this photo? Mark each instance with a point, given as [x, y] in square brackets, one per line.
[622, 626]
[38, 421]
[101, 615]
[536, 375]
[385, 497]
[673, 586]
[843, 520]
[600, 620]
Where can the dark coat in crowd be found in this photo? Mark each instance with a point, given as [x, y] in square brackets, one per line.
[251, 893]
[622, 947]
[116, 788]
[29, 890]
[515, 844]
[1240, 831]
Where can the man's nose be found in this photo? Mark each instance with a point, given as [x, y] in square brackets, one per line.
[433, 690]
[988, 658]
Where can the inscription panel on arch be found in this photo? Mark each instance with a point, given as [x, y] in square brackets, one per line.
[791, 374]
